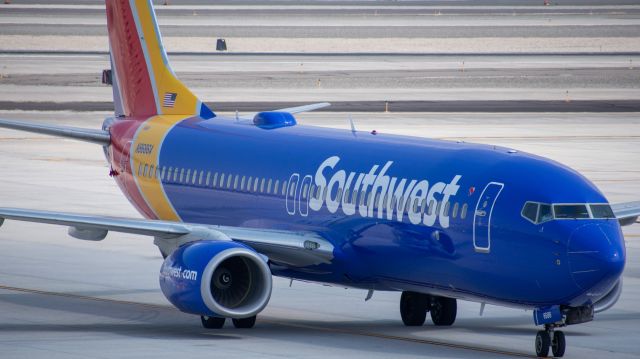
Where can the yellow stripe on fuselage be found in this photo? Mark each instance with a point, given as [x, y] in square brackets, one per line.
[186, 102]
[146, 157]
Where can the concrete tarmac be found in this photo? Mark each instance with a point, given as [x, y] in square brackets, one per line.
[68, 77]
[65, 298]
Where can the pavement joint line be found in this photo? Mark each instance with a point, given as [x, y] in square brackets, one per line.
[336, 54]
[280, 323]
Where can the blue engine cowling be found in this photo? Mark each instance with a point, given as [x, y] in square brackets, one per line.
[216, 278]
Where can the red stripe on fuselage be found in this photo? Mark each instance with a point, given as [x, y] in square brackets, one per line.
[131, 66]
[122, 133]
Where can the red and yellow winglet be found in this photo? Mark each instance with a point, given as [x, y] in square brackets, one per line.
[143, 79]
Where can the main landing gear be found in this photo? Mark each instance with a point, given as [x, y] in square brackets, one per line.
[414, 307]
[217, 323]
[550, 338]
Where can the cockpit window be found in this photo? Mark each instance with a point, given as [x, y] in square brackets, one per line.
[601, 211]
[544, 213]
[530, 211]
[570, 211]
[537, 213]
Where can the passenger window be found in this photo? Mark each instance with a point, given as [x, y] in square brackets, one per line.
[256, 182]
[181, 175]
[446, 209]
[304, 191]
[200, 178]
[249, 182]
[229, 179]
[602, 211]
[188, 176]
[193, 179]
[284, 187]
[544, 213]
[432, 205]
[208, 181]
[151, 170]
[269, 186]
[454, 213]
[570, 211]
[235, 182]
[214, 182]
[463, 212]
[262, 185]
[242, 183]
[292, 191]
[163, 173]
[221, 183]
[530, 211]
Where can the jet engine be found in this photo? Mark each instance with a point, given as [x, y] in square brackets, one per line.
[216, 278]
[609, 299]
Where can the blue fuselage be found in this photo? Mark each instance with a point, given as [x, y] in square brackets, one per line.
[403, 213]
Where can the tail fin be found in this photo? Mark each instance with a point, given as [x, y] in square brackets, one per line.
[144, 83]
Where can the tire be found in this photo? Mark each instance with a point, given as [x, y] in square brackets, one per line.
[558, 344]
[413, 308]
[245, 323]
[212, 322]
[443, 311]
[543, 342]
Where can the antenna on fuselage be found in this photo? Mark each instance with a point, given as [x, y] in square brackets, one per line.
[353, 127]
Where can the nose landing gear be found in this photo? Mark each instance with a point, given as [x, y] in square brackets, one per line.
[555, 317]
[550, 339]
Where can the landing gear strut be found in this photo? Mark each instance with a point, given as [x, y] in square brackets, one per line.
[414, 307]
[550, 338]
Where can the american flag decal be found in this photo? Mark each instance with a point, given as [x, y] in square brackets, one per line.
[169, 99]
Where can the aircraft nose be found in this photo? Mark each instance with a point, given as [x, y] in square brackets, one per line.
[596, 256]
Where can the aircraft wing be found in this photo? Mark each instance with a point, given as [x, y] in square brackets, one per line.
[84, 134]
[626, 213]
[291, 248]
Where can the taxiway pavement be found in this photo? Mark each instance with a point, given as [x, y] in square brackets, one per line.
[61, 297]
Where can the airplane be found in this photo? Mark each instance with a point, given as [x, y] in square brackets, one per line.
[231, 202]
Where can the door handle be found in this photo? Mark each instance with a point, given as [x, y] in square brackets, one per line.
[481, 213]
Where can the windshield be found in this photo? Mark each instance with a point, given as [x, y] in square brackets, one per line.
[537, 212]
[570, 211]
[602, 211]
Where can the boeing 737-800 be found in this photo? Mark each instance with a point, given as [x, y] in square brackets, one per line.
[231, 202]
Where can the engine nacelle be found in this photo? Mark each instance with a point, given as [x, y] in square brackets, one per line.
[216, 278]
[610, 299]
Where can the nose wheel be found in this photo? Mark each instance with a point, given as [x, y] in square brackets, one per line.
[550, 339]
